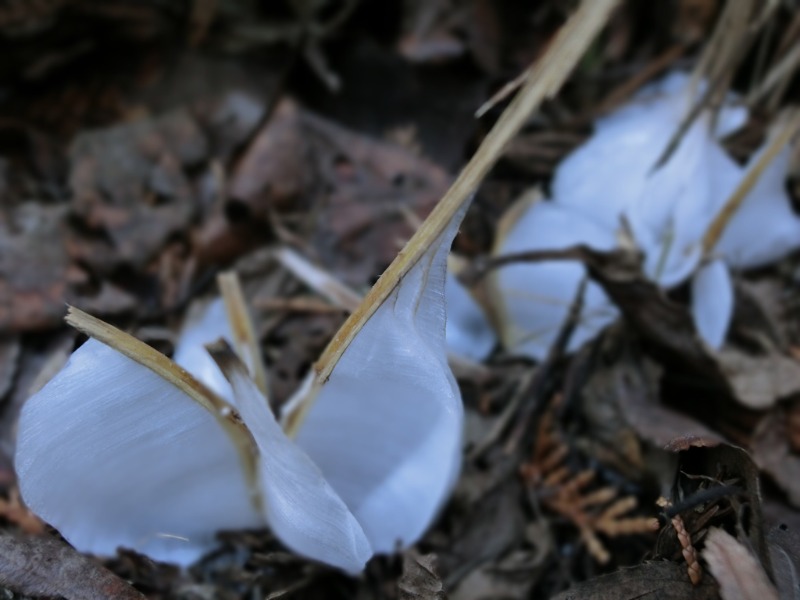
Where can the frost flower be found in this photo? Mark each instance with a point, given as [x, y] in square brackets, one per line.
[468, 333]
[669, 207]
[123, 448]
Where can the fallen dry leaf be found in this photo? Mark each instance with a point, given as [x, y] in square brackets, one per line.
[513, 576]
[738, 573]
[274, 171]
[759, 381]
[35, 271]
[784, 552]
[662, 580]
[420, 579]
[652, 421]
[13, 511]
[44, 566]
[773, 453]
[130, 190]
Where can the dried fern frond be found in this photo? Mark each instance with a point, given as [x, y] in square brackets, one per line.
[570, 493]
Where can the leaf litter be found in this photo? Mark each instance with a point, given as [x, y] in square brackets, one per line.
[137, 205]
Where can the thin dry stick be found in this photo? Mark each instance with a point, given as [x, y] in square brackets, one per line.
[723, 46]
[788, 40]
[504, 92]
[717, 227]
[545, 80]
[317, 279]
[244, 334]
[777, 75]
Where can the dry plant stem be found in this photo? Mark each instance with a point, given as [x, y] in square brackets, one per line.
[722, 48]
[778, 74]
[162, 366]
[788, 41]
[244, 333]
[717, 227]
[503, 93]
[317, 279]
[545, 80]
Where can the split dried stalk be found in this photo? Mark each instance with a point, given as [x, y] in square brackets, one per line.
[317, 279]
[545, 79]
[245, 338]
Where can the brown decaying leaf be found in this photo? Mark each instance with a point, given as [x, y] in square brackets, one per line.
[13, 511]
[420, 579]
[44, 566]
[784, 549]
[759, 381]
[513, 575]
[35, 272]
[662, 580]
[738, 573]
[351, 191]
[621, 401]
[130, 188]
[636, 391]
[273, 173]
[772, 453]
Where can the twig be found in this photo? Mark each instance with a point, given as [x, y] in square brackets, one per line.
[244, 333]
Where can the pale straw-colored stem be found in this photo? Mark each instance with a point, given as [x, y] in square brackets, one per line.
[245, 338]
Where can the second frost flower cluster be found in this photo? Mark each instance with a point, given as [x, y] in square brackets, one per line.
[669, 207]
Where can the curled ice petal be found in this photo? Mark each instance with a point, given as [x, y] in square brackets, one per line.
[669, 206]
[112, 455]
[468, 331]
[608, 176]
[206, 323]
[300, 506]
[386, 427]
[534, 298]
[712, 302]
[764, 227]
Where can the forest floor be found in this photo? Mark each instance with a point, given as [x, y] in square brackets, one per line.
[146, 146]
